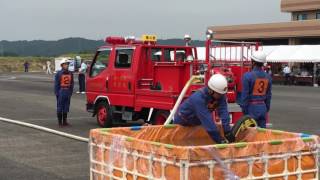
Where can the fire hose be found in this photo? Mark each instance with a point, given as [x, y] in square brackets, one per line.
[48, 130]
[183, 92]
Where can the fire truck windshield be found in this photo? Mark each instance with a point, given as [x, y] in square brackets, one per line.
[100, 63]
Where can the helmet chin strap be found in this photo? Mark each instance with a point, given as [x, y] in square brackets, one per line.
[211, 92]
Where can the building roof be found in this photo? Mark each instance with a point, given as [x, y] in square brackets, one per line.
[306, 28]
[299, 5]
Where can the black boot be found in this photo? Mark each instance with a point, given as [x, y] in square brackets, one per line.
[59, 115]
[65, 116]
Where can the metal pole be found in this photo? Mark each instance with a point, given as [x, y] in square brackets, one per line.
[234, 42]
[208, 61]
[241, 59]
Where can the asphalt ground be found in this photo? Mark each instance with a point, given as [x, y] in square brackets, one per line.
[31, 154]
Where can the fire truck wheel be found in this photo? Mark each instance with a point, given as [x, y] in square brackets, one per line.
[160, 117]
[104, 115]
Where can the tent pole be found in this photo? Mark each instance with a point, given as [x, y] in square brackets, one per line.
[315, 84]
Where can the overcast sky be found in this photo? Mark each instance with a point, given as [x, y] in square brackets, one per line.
[95, 19]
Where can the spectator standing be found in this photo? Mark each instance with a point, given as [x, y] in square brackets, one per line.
[82, 78]
[269, 71]
[49, 67]
[287, 72]
[26, 66]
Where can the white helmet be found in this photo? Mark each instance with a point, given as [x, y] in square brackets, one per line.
[259, 56]
[158, 53]
[189, 58]
[63, 61]
[218, 83]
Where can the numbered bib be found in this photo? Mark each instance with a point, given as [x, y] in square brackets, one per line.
[260, 87]
[65, 80]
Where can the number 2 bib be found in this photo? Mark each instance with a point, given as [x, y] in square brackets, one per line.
[65, 80]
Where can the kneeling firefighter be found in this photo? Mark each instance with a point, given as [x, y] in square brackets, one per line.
[198, 108]
[63, 88]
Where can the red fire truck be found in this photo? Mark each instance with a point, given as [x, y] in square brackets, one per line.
[131, 80]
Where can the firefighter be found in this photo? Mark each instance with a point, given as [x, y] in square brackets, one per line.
[63, 89]
[157, 55]
[198, 108]
[256, 92]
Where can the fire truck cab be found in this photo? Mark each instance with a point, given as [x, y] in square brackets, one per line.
[130, 80]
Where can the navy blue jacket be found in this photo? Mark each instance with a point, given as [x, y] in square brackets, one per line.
[257, 86]
[63, 82]
[194, 111]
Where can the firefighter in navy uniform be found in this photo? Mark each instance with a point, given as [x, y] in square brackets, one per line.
[198, 108]
[63, 88]
[256, 92]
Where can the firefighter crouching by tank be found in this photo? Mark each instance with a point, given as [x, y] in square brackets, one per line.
[63, 88]
[198, 108]
[256, 92]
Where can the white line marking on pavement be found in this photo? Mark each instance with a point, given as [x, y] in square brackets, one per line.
[6, 78]
[54, 118]
[41, 128]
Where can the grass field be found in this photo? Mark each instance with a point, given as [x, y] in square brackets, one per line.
[15, 64]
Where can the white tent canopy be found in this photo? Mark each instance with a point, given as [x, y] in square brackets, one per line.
[308, 53]
[297, 53]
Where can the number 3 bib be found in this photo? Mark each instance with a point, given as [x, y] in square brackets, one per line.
[260, 87]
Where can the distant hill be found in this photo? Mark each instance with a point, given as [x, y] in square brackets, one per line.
[63, 46]
[47, 48]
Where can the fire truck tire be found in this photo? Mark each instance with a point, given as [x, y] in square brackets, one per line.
[160, 117]
[104, 114]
